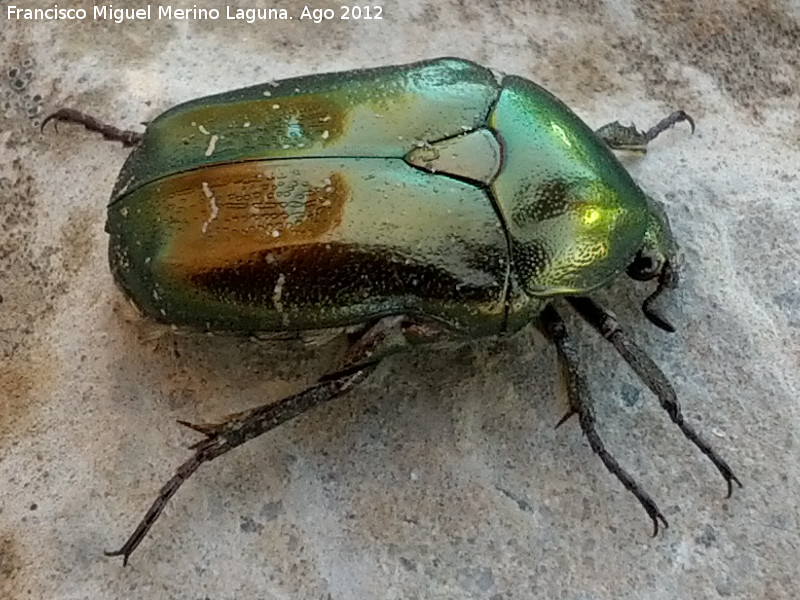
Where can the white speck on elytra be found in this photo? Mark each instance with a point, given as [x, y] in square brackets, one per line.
[203, 130]
[212, 143]
[212, 204]
[325, 134]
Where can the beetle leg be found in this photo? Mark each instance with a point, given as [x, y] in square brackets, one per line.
[651, 376]
[234, 432]
[375, 342]
[621, 137]
[109, 132]
[242, 427]
[581, 404]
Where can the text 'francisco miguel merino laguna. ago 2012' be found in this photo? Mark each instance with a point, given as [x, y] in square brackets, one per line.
[107, 12]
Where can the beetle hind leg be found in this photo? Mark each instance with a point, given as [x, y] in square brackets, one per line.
[621, 137]
[581, 405]
[69, 115]
[651, 376]
[360, 360]
[235, 431]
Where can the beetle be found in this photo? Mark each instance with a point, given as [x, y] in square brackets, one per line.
[410, 204]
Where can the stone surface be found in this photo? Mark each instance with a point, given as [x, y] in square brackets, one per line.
[442, 476]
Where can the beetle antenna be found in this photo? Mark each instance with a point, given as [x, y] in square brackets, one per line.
[667, 279]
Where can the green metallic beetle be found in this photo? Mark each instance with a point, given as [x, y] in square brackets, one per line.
[409, 203]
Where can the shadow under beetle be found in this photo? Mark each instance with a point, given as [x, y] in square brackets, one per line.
[412, 203]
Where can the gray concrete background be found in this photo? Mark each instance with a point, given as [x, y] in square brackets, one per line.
[442, 476]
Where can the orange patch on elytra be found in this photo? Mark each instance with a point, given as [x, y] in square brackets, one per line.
[218, 217]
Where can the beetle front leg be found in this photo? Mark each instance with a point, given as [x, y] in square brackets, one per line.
[361, 359]
[621, 137]
[69, 115]
[581, 404]
[649, 373]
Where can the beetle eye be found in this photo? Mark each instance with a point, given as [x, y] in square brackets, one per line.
[644, 267]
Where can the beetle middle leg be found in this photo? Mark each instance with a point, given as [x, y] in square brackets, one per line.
[236, 429]
[621, 137]
[69, 115]
[581, 405]
[649, 373]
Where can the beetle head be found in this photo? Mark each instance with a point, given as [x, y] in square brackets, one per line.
[656, 258]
